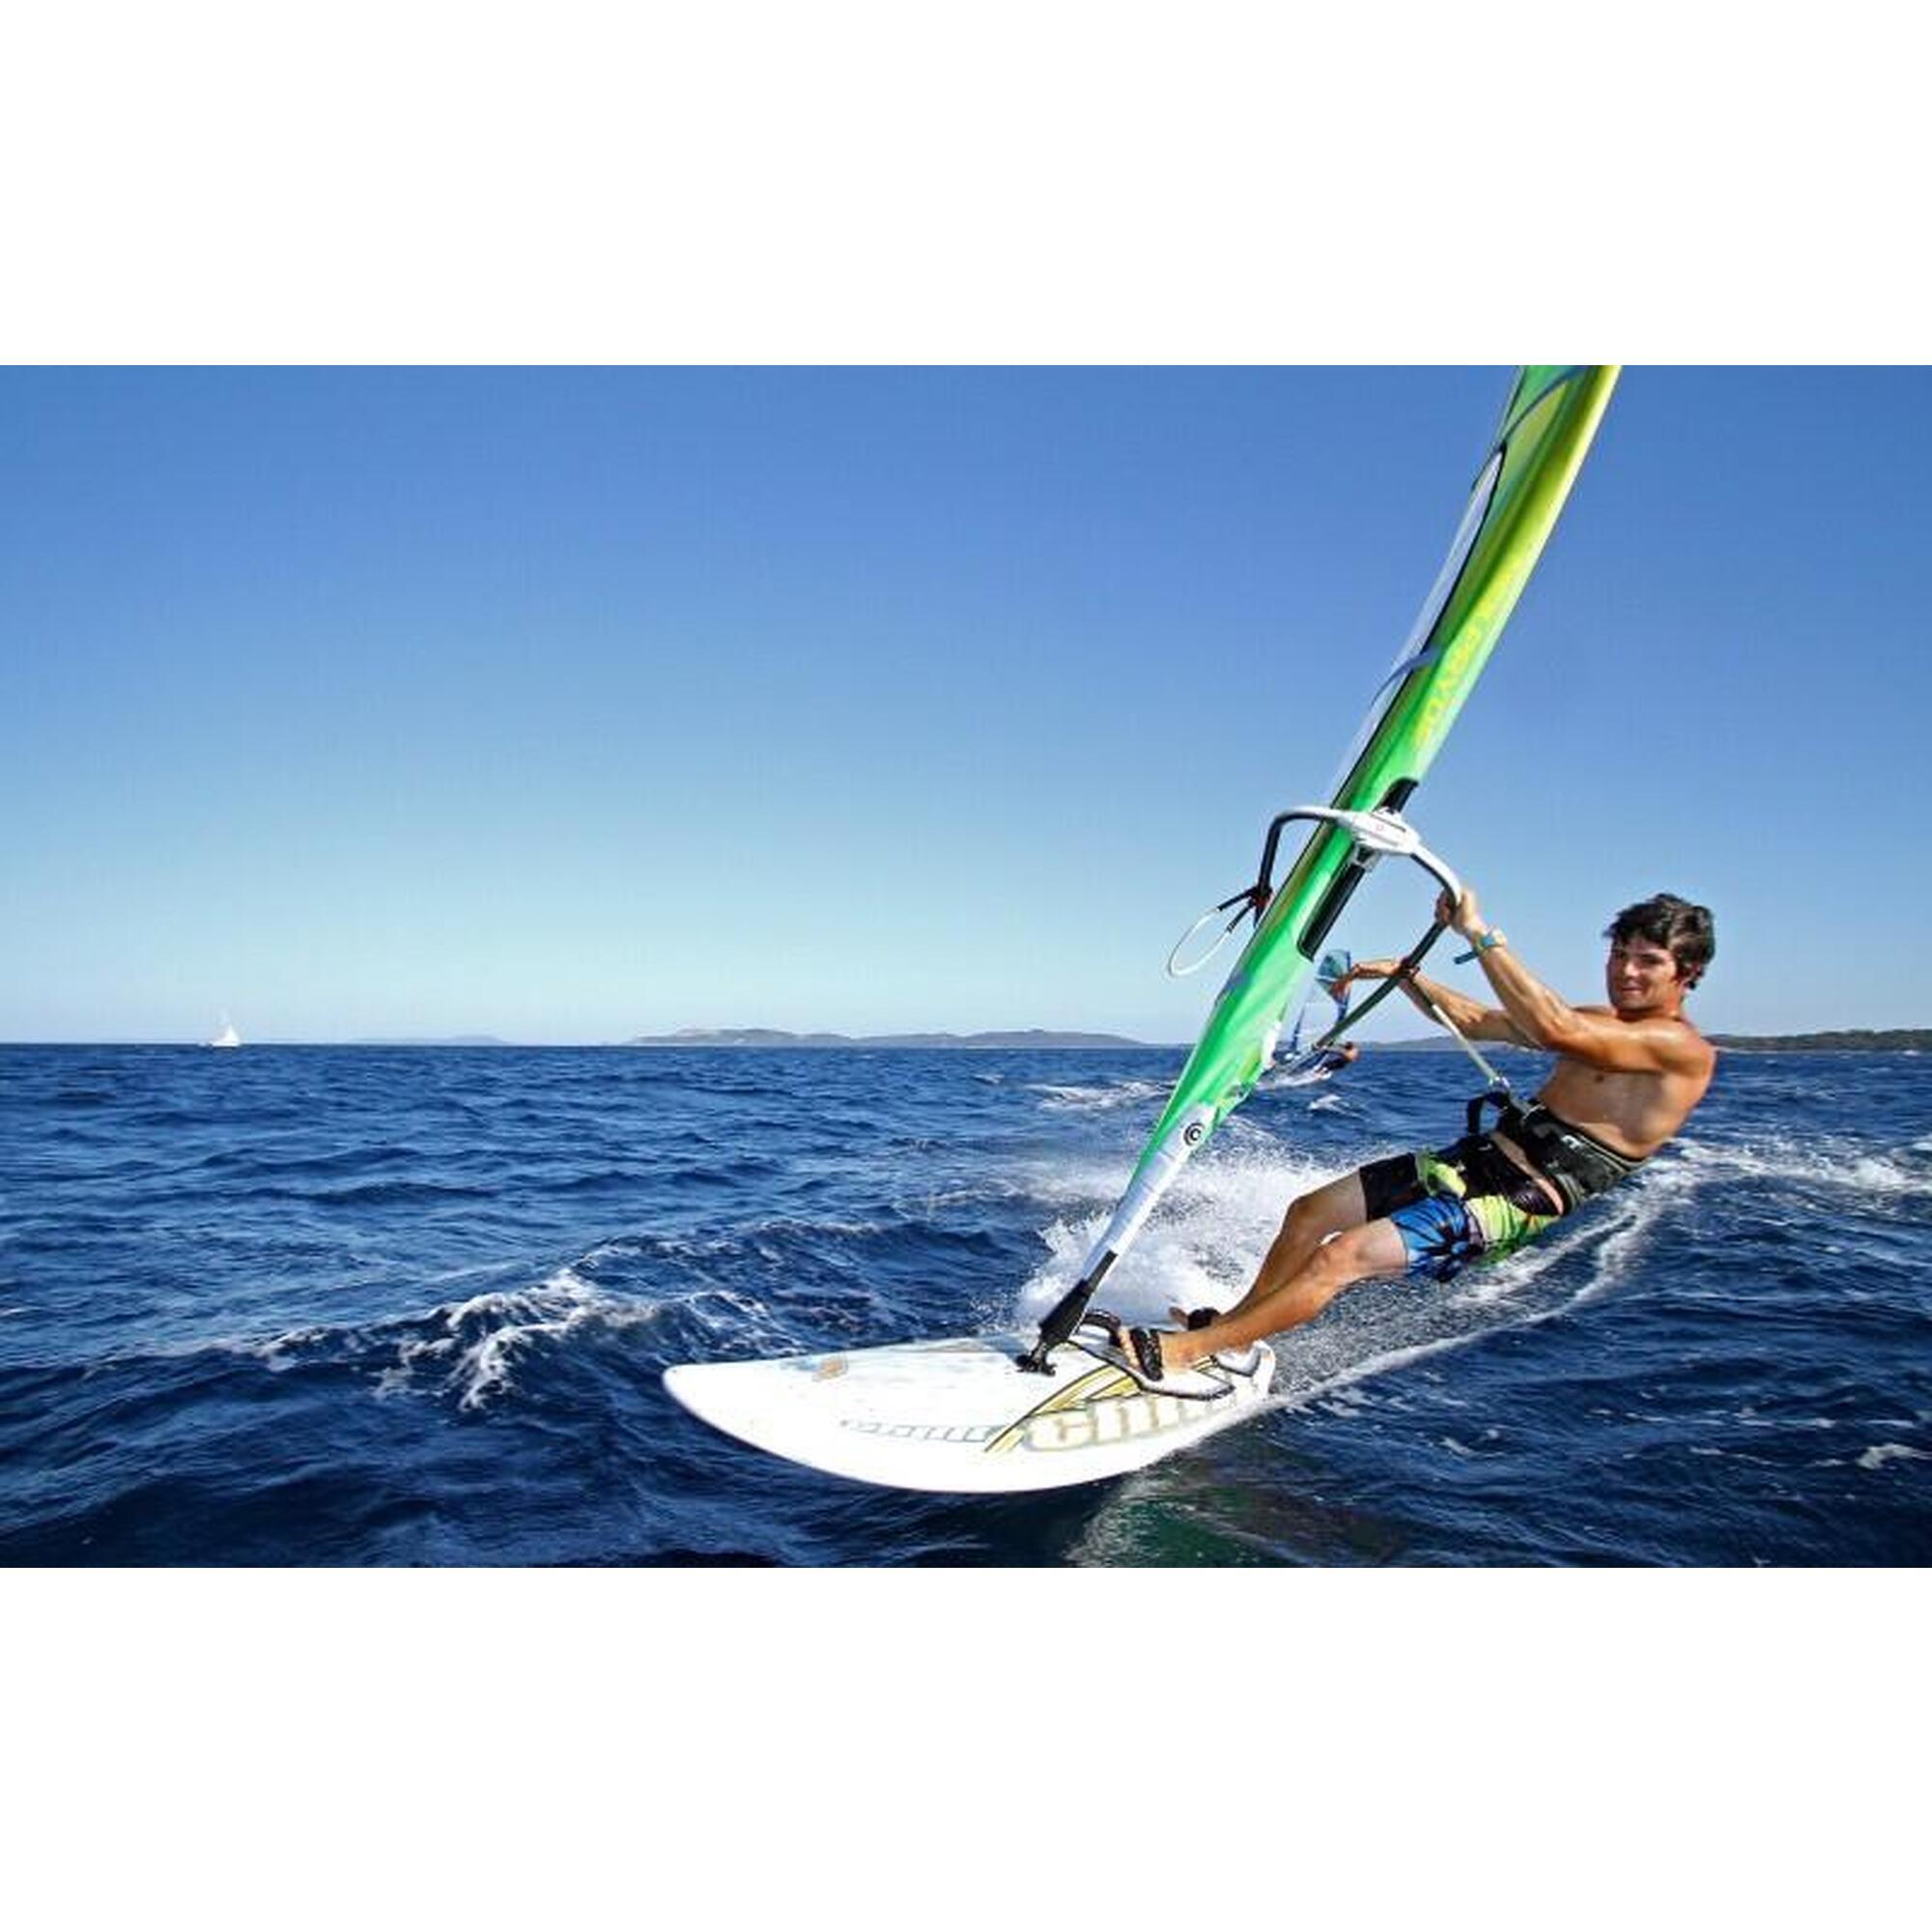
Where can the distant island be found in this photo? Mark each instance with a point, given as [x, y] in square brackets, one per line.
[1899, 1040]
[769, 1037]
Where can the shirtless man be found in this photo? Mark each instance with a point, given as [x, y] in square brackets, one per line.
[1626, 1079]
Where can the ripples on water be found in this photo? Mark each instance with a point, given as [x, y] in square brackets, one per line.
[309, 1305]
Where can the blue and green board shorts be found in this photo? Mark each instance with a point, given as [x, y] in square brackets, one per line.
[1458, 1205]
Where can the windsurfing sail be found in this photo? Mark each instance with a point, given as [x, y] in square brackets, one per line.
[1548, 422]
[1309, 1054]
[1323, 1007]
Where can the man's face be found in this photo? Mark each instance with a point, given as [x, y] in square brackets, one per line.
[1640, 976]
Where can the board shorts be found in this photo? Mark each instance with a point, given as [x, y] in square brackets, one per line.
[1457, 1206]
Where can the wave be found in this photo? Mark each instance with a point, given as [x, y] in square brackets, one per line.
[482, 1337]
[1199, 1250]
[1203, 1249]
[464, 1349]
[376, 1194]
[1100, 1098]
[354, 1160]
[692, 1287]
[1832, 1162]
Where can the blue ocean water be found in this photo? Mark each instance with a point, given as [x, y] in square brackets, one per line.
[409, 1306]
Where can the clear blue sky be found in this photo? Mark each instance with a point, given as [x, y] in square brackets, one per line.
[568, 705]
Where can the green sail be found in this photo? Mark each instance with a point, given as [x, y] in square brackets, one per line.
[1546, 426]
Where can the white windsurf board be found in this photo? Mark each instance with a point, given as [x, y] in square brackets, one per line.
[961, 1417]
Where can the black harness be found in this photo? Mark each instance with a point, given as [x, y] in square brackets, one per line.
[1575, 1164]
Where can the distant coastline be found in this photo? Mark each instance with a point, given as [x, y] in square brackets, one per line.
[1900, 1039]
[771, 1037]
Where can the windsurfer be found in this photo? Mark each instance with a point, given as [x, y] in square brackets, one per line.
[1335, 1057]
[1627, 1077]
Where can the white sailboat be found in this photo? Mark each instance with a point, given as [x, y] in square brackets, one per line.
[227, 1036]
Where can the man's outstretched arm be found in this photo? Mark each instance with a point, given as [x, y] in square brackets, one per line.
[1469, 1017]
[1546, 1019]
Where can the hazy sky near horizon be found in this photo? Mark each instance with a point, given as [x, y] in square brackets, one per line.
[573, 704]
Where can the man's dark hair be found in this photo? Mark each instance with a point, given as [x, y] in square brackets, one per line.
[1665, 920]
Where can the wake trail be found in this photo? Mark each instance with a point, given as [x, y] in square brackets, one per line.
[1223, 1212]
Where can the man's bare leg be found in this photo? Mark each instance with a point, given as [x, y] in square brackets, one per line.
[1310, 1220]
[1276, 1304]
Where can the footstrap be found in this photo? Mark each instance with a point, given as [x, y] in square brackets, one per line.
[1144, 1344]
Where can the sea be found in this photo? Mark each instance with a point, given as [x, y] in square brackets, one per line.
[370, 1306]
